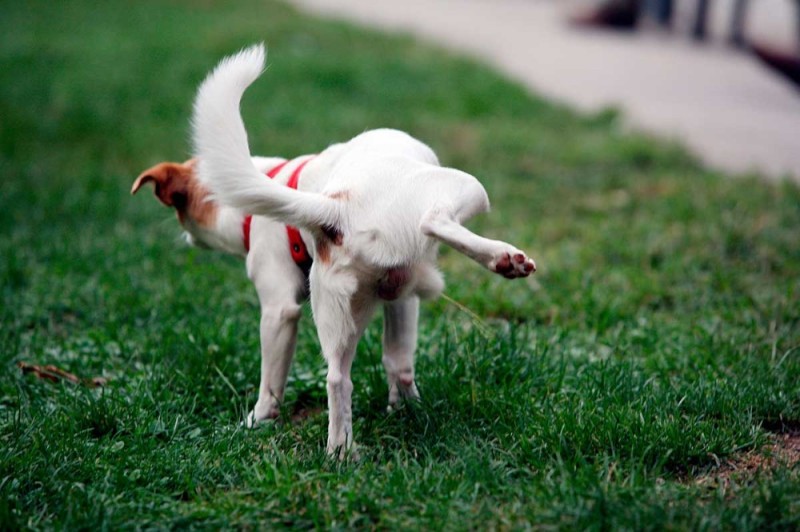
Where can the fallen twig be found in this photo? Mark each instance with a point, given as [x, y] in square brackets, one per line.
[55, 374]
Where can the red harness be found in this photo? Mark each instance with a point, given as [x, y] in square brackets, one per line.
[296, 245]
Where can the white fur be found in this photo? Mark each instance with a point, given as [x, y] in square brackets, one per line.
[371, 210]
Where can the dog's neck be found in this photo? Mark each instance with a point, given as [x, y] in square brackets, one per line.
[223, 234]
[210, 225]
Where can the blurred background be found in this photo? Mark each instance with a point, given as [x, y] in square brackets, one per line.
[717, 75]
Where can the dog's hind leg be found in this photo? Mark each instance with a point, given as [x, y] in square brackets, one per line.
[399, 343]
[442, 223]
[462, 198]
[495, 255]
[340, 316]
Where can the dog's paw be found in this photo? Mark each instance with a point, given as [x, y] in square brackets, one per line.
[402, 390]
[260, 416]
[344, 453]
[511, 263]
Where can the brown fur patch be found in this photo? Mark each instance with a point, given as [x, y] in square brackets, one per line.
[199, 208]
[343, 195]
[323, 251]
[176, 185]
[333, 234]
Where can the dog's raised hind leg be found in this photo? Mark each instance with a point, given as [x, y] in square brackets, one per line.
[463, 198]
[495, 255]
[399, 343]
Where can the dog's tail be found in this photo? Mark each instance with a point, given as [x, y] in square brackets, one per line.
[220, 143]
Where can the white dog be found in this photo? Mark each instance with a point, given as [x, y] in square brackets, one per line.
[371, 212]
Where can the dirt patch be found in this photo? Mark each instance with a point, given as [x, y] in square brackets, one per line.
[783, 451]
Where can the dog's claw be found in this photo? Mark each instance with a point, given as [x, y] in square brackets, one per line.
[250, 422]
[253, 421]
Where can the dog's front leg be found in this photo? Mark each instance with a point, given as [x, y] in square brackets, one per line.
[278, 340]
[399, 343]
[281, 289]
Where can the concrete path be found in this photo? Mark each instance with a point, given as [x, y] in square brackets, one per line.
[724, 105]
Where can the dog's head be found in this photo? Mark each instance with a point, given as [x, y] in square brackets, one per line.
[176, 185]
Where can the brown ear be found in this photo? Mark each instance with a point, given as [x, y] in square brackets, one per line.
[143, 179]
[171, 182]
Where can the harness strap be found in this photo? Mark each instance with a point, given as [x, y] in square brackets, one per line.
[297, 247]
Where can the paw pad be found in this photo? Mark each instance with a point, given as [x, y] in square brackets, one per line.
[513, 264]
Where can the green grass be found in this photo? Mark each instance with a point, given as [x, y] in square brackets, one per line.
[659, 337]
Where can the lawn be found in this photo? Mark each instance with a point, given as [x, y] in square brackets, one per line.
[633, 382]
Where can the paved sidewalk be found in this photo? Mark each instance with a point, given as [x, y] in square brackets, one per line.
[724, 105]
